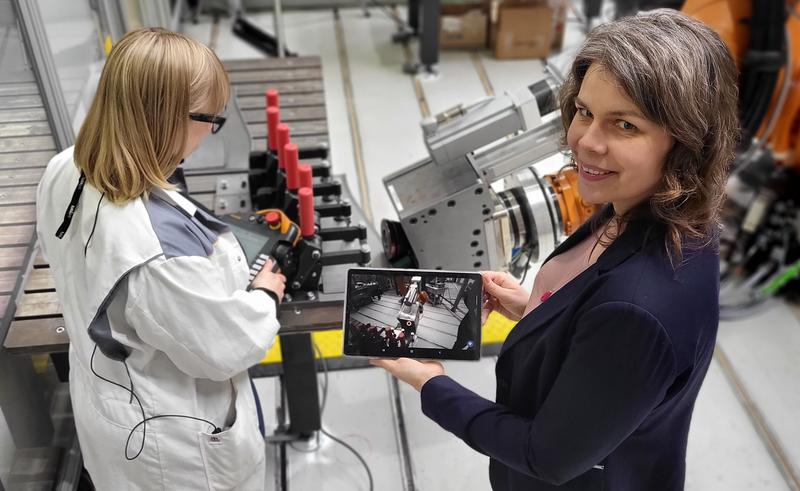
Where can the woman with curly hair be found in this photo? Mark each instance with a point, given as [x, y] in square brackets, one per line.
[597, 382]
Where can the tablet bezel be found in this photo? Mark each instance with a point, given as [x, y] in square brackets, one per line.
[421, 353]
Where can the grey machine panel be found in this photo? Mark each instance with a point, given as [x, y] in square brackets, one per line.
[217, 172]
[477, 201]
[435, 201]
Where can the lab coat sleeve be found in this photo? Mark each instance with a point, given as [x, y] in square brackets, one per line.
[181, 307]
[618, 369]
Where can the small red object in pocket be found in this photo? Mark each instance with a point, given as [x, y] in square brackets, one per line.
[546, 295]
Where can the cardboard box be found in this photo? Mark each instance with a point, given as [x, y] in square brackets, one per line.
[523, 32]
[463, 27]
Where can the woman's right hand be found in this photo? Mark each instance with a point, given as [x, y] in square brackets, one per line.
[274, 282]
[502, 293]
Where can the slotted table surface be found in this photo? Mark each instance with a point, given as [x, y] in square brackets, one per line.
[26, 146]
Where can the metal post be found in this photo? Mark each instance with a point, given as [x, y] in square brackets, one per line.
[175, 17]
[155, 13]
[38, 49]
[592, 9]
[300, 376]
[111, 21]
[413, 16]
[626, 7]
[429, 36]
[460, 295]
[278, 21]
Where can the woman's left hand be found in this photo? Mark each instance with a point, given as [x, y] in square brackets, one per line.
[414, 373]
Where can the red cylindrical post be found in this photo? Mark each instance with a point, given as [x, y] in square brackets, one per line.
[306, 205]
[306, 177]
[283, 139]
[272, 98]
[273, 120]
[292, 178]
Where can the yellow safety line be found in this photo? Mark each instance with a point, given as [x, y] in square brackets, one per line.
[352, 117]
[330, 342]
[477, 63]
[774, 447]
[421, 100]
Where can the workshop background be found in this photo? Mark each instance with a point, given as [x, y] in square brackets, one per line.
[356, 80]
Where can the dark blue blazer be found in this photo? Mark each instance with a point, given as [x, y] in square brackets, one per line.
[596, 386]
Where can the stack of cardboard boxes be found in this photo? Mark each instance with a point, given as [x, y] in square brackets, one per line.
[511, 28]
[464, 25]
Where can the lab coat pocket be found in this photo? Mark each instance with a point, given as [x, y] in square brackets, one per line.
[231, 456]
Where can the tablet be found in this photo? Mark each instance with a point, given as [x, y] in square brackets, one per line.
[413, 313]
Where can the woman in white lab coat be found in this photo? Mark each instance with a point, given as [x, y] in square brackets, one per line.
[162, 328]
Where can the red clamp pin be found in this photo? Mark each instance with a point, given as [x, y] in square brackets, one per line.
[272, 98]
[306, 204]
[546, 295]
[306, 176]
[292, 178]
[283, 139]
[273, 120]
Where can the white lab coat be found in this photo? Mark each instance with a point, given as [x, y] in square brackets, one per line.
[191, 329]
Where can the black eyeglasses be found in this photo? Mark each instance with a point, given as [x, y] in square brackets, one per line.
[216, 121]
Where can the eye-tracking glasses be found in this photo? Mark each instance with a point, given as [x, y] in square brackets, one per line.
[216, 121]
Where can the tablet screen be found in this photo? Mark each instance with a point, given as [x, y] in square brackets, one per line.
[412, 313]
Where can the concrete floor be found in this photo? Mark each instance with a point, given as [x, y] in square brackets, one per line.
[745, 426]
[745, 433]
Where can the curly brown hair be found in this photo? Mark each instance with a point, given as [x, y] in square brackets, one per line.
[680, 74]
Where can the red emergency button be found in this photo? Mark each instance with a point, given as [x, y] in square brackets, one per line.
[273, 220]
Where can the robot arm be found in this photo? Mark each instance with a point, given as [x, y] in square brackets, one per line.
[458, 131]
[479, 202]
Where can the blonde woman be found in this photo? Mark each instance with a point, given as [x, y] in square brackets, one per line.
[153, 289]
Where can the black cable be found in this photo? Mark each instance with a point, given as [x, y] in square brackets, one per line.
[94, 225]
[751, 78]
[527, 265]
[158, 416]
[322, 409]
[325, 378]
[758, 80]
[355, 452]
[130, 401]
[145, 419]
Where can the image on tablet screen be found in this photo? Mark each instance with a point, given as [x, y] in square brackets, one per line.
[397, 314]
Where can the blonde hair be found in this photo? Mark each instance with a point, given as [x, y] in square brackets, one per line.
[136, 128]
